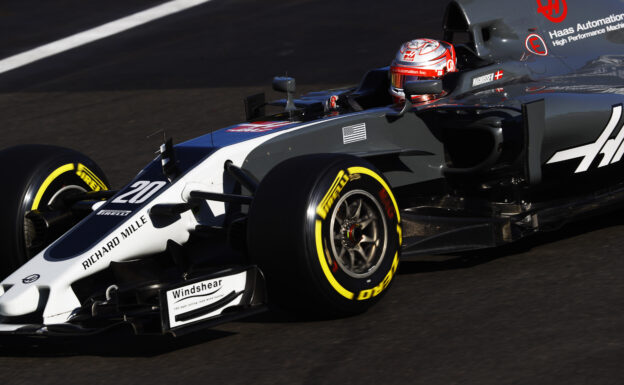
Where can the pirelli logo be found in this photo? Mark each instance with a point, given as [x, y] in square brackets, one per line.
[90, 178]
[334, 192]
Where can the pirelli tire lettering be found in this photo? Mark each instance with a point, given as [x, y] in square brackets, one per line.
[357, 234]
[75, 176]
[42, 178]
[330, 245]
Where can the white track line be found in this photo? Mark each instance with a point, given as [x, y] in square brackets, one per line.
[97, 33]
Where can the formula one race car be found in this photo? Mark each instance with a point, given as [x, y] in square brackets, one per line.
[316, 204]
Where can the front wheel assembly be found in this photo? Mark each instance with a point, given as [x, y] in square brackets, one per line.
[38, 178]
[326, 231]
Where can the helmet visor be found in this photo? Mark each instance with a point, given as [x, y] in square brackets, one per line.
[398, 80]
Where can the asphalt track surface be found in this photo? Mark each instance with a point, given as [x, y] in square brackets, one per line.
[546, 311]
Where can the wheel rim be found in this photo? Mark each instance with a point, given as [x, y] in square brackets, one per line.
[32, 241]
[63, 192]
[358, 234]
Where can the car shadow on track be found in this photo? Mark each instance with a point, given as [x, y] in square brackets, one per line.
[120, 342]
[463, 260]
[467, 259]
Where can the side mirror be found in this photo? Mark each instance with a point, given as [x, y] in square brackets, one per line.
[423, 87]
[286, 84]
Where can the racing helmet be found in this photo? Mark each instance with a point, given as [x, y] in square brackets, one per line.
[421, 59]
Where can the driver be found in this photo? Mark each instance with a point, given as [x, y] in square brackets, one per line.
[421, 59]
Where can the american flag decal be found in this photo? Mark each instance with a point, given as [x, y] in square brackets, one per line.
[354, 133]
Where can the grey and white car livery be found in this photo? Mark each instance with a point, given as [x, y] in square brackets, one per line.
[320, 201]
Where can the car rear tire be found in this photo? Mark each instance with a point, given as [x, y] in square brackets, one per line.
[325, 229]
[36, 178]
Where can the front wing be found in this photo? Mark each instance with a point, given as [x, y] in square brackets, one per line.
[201, 300]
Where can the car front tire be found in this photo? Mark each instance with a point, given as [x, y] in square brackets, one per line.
[37, 177]
[326, 231]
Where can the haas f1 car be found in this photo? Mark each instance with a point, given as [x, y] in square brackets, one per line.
[312, 207]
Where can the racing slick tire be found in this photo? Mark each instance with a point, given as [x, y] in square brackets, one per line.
[37, 177]
[325, 229]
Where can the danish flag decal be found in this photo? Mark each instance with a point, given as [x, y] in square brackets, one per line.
[611, 149]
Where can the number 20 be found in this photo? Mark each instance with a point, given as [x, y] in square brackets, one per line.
[142, 191]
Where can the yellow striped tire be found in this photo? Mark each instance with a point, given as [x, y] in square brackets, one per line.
[302, 234]
[36, 176]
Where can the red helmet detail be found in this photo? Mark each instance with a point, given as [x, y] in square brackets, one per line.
[421, 59]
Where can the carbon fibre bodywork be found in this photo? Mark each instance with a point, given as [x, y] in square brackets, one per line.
[529, 135]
